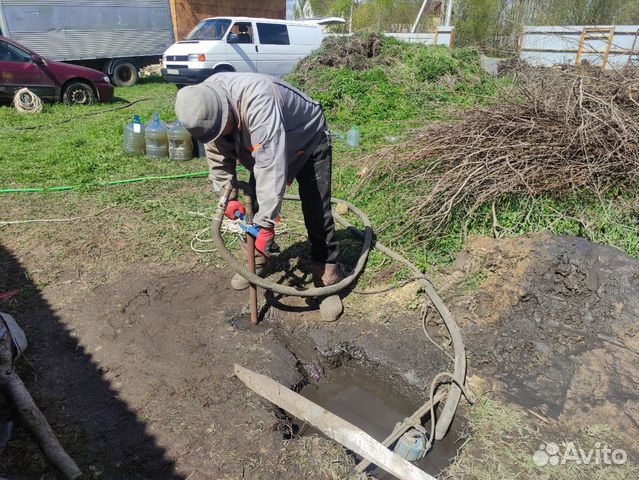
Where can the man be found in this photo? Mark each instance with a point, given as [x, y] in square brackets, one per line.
[280, 135]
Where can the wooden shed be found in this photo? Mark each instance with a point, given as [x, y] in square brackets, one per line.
[187, 13]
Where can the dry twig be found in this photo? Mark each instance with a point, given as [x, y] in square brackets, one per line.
[555, 131]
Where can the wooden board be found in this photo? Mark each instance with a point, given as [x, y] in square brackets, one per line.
[331, 425]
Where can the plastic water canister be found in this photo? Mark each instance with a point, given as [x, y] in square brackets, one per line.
[155, 134]
[134, 143]
[352, 137]
[180, 143]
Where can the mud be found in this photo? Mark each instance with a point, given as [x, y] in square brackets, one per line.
[353, 394]
[554, 327]
[135, 377]
[134, 370]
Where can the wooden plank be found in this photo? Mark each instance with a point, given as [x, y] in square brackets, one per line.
[173, 8]
[581, 46]
[330, 424]
[611, 35]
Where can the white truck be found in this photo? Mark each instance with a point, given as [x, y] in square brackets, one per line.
[118, 37]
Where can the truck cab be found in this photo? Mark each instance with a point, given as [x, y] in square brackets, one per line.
[240, 44]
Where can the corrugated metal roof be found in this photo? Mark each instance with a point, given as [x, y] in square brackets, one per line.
[103, 3]
[86, 45]
[78, 30]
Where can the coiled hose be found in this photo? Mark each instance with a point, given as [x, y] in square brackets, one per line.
[450, 407]
[25, 101]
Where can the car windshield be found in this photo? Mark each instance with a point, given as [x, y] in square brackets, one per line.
[210, 29]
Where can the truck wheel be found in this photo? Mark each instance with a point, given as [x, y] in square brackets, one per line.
[78, 93]
[125, 74]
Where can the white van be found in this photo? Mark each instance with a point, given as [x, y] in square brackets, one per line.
[242, 44]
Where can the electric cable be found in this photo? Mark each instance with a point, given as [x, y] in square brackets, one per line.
[75, 117]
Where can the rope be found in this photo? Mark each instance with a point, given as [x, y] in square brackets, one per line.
[228, 227]
[25, 101]
[4, 223]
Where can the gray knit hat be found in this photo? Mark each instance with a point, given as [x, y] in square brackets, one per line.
[203, 110]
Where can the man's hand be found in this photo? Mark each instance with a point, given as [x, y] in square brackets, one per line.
[232, 207]
[264, 241]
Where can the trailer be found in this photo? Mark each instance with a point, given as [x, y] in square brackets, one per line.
[118, 37]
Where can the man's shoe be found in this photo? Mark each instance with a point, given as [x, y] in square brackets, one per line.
[324, 275]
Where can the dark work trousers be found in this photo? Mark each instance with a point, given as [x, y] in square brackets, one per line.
[314, 180]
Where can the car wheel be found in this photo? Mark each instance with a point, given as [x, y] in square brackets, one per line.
[180, 86]
[78, 93]
[125, 74]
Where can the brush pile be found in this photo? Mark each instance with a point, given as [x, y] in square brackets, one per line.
[553, 132]
[357, 52]
[378, 83]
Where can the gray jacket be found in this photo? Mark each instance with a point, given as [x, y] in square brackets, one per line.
[277, 126]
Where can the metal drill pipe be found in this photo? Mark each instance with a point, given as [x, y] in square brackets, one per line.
[250, 256]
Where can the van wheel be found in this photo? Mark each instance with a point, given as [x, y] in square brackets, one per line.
[78, 93]
[125, 74]
[223, 69]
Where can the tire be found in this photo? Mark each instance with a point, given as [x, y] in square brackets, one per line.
[180, 86]
[125, 74]
[79, 93]
[223, 69]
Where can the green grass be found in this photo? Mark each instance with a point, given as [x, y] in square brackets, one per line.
[503, 439]
[403, 84]
[83, 146]
[71, 148]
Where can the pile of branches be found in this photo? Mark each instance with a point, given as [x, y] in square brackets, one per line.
[553, 132]
[354, 52]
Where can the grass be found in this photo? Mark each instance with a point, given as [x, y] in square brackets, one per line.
[503, 440]
[403, 83]
[83, 145]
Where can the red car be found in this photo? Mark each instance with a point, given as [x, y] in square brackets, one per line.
[21, 67]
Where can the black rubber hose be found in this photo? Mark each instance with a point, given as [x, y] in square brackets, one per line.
[450, 407]
[283, 289]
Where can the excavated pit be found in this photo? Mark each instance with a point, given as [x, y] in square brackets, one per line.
[351, 393]
[372, 396]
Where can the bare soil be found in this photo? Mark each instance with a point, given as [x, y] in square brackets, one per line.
[553, 326]
[131, 360]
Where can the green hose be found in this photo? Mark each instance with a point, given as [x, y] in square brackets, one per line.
[103, 184]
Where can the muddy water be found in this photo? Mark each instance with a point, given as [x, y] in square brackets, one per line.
[358, 397]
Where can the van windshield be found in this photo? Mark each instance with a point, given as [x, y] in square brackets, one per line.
[210, 29]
